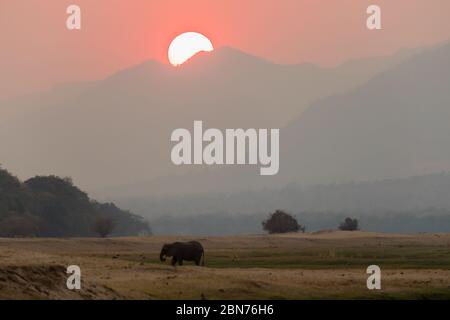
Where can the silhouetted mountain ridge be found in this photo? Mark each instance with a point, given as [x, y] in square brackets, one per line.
[116, 132]
[394, 125]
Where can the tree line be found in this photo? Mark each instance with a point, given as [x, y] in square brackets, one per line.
[50, 206]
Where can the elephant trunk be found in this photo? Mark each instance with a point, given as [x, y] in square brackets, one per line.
[162, 257]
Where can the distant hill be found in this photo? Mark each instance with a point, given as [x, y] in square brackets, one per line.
[395, 125]
[53, 207]
[398, 195]
[413, 204]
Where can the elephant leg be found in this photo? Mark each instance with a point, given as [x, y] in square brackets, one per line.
[180, 261]
[197, 262]
[174, 261]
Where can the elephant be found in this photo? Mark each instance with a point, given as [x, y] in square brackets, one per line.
[179, 251]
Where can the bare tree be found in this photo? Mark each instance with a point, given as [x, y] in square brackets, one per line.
[104, 226]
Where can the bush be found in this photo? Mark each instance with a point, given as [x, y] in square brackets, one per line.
[349, 225]
[281, 222]
[104, 226]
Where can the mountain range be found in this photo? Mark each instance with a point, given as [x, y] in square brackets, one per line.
[368, 119]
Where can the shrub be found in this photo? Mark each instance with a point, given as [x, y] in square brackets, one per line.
[349, 225]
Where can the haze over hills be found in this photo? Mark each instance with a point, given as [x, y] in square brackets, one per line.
[414, 204]
[388, 119]
[394, 125]
[116, 132]
[397, 195]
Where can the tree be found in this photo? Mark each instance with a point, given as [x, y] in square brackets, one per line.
[125, 222]
[349, 224]
[19, 226]
[104, 226]
[281, 222]
[50, 206]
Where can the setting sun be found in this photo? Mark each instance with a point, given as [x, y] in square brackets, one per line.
[186, 45]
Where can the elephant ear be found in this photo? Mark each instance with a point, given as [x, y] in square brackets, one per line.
[170, 249]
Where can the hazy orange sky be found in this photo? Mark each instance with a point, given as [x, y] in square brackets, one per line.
[37, 51]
